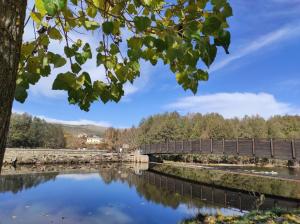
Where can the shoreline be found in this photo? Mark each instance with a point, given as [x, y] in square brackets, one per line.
[14, 156]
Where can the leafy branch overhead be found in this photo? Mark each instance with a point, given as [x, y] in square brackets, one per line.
[184, 34]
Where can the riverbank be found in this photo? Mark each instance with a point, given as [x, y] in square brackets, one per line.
[215, 159]
[15, 156]
[281, 187]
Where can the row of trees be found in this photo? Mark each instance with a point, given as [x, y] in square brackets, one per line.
[32, 132]
[172, 126]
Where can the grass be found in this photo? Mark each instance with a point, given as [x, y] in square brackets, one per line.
[269, 217]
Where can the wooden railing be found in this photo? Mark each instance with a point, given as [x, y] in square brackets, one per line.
[262, 148]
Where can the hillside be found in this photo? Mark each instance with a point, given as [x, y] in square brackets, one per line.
[88, 129]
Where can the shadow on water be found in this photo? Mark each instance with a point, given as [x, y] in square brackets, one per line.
[153, 187]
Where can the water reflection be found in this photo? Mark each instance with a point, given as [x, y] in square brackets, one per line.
[114, 193]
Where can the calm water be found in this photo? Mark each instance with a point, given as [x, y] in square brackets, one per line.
[114, 194]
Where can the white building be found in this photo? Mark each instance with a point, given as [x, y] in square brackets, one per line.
[82, 135]
[94, 140]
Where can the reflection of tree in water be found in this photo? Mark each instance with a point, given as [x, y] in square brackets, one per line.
[113, 172]
[16, 183]
[150, 192]
[164, 190]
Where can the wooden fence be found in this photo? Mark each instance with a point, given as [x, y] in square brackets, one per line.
[262, 148]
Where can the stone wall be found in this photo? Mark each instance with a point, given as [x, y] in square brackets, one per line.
[68, 156]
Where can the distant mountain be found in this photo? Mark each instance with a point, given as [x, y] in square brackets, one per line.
[87, 129]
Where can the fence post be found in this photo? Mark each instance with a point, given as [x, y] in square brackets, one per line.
[253, 147]
[167, 145]
[160, 147]
[272, 148]
[174, 146]
[200, 145]
[211, 145]
[237, 146]
[191, 146]
[293, 149]
[223, 145]
[182, 143]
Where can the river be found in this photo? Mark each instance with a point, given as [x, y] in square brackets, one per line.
[116, 193]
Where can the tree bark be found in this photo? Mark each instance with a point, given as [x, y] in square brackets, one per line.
[12, 16]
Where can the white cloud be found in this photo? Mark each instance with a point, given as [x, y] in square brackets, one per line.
[75, 122]
[234, 105]
[70, 122]
[281, 34]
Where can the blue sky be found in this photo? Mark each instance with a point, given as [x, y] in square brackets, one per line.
[261, 75]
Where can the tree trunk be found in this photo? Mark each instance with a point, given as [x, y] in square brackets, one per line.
[12, 16]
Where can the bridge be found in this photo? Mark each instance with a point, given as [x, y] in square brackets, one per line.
[283, 149]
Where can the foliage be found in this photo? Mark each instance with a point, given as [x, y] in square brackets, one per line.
[273, 216]
[112, 138]
[172, 126]
[184, 34]
[116, 138]
[32, 132]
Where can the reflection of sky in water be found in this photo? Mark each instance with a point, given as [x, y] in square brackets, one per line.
[85, 198]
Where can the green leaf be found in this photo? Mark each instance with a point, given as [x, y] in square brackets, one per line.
[100, 59]
[223, 40]
[57, 60]
[54, 6]
[64, 81]
[147, 2]
[227, 11]
[54, 34]
[131, 9]
[114, 49]
[32, 78]
[218, 4]
[181, 77]
[211, 25]
[27, 48]
[135, 42]
[84, 79]
[39, 4]
[75, 68]
[201, 75]
[20, 94]
[70, 52]
[108, 27]
[91, 11]
[81, 58]
[87, 53]
[141, 23]
[91, 25]
[208, 53]
[160, 45]
[37, 17]
[100, 89]
[98, 3]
